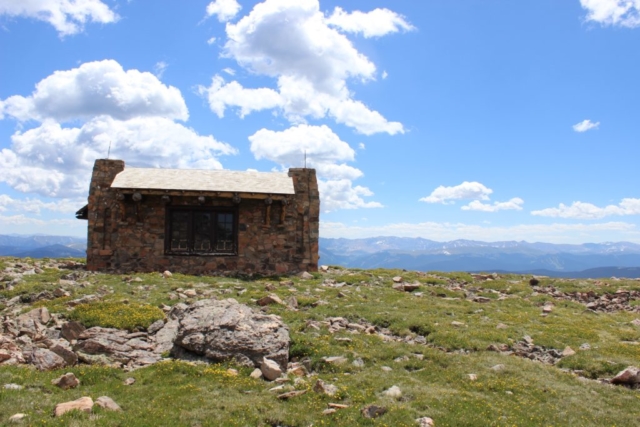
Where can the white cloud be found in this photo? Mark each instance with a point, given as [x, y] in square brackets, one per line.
[292, 42]
[341, 194]
[35, 206]
[67, 16]
[230, 71]
[385, 75]
[625, 13]
[376, 23]
[361, 146]
[221, 94]
[132, 112]
[325, 152]
[445, 231]
[476, 205]
[160, 68]
[580, 210]
[466, 190]
[225, 10]
[56, 162]
[585, 125]
[212, 40]
[98, 88]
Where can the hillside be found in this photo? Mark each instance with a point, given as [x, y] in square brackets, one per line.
[455, 348]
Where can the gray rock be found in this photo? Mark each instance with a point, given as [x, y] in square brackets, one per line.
[46, 360]
[107, 403]
[113, 347]
[630, 376]
[425, 422]
[270, 369]
[16, 418]
[164, 337]
[71, 330]
[66, 381]
[83, 404]
[221, 330]
[13, 387]
[324, 388]
[373, 411]
[393, 392]
[155, 326]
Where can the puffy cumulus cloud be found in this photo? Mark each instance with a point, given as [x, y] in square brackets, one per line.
[585, 125]
[445, 231]
[98, 88]
[580, 210]
[288, 148]
[341, 194]
[225, 10]
[293, 42]
[66, 16]
[466, 190]
[377, 23]
[325, 152]
[220, 95]
[54, 161]
[513, 204]
[624, 13]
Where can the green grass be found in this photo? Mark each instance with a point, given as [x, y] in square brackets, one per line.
[434, 382]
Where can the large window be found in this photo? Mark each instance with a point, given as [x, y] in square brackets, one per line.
[199, 231]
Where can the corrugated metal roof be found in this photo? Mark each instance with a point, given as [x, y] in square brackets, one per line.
[204, 180]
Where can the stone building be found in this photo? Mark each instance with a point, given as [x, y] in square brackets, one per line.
[201, 221]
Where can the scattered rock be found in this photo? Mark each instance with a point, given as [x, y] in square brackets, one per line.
[585, 347]
[190, 293]
[497, 368]
[306, 276]
[386, 369]
[105, 402]
[270, 299]
[472, 377]
[568, 351]
[324, 388]
[167, 274]
[335, 360]
[289, 395]
[397, 279]
[329, 411]
[71, 330]
[232, 372]
[270, 369]
[635, 322]
[501, 326]
[129, 381]
[257, 373]
[222, 330]
[457, 324]
[628, 377]
[373, 411]
[13, 387]
[66, 381]
[16, 418]
[425, 422]
[83, 404]
[46, 360]
[393, 392]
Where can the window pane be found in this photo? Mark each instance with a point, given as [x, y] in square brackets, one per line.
[179, 231]
[202, 231]
[224, 232]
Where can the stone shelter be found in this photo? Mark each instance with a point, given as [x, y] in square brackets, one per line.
[201, 221]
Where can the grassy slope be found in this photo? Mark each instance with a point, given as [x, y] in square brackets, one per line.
[525, 393]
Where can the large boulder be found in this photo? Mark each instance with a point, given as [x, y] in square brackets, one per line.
[222, 330]
[114, 347]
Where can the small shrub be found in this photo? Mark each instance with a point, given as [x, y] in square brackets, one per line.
[117, 315]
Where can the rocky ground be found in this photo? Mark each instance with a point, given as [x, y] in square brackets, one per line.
[204, 324]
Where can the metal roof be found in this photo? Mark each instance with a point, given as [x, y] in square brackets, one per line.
[204, 180]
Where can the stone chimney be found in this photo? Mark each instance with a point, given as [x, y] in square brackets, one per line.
[307, 202]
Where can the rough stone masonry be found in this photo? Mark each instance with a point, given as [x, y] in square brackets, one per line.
[273, 233]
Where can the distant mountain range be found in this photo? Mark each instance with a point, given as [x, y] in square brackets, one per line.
[40, 246]
[620, 259]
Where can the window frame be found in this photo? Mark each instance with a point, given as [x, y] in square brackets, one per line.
[191, 210]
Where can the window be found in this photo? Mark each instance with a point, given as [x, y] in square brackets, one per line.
[201, 231]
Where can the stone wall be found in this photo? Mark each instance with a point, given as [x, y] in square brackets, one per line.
[129, 236]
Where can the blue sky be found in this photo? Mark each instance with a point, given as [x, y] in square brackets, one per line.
[493, 120]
